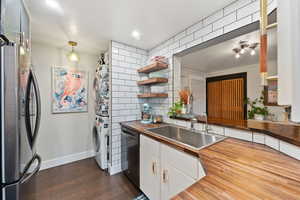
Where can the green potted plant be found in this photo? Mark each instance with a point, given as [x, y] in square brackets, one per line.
[175, 109]
[257, 109]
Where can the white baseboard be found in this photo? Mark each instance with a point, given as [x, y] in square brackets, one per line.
[66, 159]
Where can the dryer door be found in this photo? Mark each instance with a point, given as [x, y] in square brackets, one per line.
[96, 139]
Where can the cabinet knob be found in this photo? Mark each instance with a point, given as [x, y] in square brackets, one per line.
[154, 168]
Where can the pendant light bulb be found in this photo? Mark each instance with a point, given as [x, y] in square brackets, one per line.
[22, 50]
[73, 55]
[243, 51]
[252, 52]
[237, 55]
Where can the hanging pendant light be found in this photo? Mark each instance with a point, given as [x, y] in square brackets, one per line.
[237, 52]
[72, 55]
[263, 41]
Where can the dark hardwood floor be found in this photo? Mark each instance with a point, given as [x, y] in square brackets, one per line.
[82, 180]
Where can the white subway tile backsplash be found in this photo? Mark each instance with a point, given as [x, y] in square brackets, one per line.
[117, 45]
[186, 39]
[125, 105]
[203, 31]
[213, 34]
[116, 69]
[248, 10]
[194, 43]
[124, 76]
[224, 21]
[118, 57]
[272, 142]
[194, 27]
[179, 35]
[131, 60]
[131, 49]
[123, 52]
[180, 49]
[114, 50]
[212, 18]
[256, 17]
[130, 83]
[115, 62]
[124, 64]
[117, 82]
[240, 23]
[236, 5]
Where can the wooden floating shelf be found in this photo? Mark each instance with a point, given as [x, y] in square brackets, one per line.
[153, 67]
[153, 95]
[153, 81]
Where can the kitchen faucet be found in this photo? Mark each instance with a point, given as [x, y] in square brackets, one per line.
[206, 122]
[193, 121]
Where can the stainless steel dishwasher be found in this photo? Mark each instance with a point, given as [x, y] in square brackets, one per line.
[130, 155]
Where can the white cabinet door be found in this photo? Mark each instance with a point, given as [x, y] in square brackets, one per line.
[173, 181]
[178, 171]
[150, 167]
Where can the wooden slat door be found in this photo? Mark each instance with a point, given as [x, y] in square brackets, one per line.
[226, 99]
[214, 103]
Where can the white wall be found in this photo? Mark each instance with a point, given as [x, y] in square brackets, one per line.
[62, 137]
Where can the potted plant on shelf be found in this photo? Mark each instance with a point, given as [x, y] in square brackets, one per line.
[175, 109]
[184, 98]
[179, 108]
[257, 109]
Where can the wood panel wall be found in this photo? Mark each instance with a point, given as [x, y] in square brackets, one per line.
[225, 99]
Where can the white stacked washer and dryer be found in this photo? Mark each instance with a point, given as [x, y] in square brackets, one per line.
[101, 126]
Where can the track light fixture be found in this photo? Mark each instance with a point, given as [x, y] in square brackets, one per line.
[243, 47]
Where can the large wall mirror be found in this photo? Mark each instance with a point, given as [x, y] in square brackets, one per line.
[223, 76]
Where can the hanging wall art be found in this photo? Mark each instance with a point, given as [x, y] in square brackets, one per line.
[69, 90]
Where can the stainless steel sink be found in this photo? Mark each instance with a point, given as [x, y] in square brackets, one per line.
[196, 140]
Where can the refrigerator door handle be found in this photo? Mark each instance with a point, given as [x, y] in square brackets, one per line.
[4, 41]
[32, 133]
[26, 177]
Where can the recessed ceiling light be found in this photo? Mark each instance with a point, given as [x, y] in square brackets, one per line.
[73, 29]
[54, 5]
[136, 35]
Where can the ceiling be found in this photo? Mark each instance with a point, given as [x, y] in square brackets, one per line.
[220, 57]
[93, 23]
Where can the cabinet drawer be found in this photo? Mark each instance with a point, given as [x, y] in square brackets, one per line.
[184, 162]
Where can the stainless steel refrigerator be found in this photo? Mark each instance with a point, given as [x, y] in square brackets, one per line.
[20, 105]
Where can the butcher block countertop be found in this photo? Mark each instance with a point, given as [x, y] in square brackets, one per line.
[237, 170]
[286, 131]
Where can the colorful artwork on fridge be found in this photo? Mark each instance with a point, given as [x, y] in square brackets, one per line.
[69, 90]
